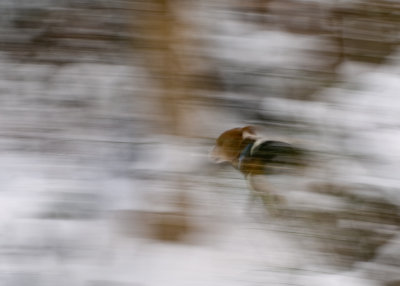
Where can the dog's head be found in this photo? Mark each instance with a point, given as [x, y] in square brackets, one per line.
[230, 144]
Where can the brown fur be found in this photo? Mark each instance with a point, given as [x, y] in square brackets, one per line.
[231, 143]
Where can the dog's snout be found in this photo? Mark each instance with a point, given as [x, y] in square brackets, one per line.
[214, 155]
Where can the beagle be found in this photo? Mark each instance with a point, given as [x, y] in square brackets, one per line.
[253, 155]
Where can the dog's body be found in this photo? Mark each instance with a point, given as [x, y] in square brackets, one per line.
[252, 156]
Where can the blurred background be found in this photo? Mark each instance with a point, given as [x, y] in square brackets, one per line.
[110, 108]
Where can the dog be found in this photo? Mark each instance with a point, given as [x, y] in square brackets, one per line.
[253, 155]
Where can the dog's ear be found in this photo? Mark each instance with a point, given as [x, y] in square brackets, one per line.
[249, 132]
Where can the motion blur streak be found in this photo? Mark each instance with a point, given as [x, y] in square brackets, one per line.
[109, 110]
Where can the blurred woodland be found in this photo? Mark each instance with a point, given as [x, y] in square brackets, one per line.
[110, 108]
